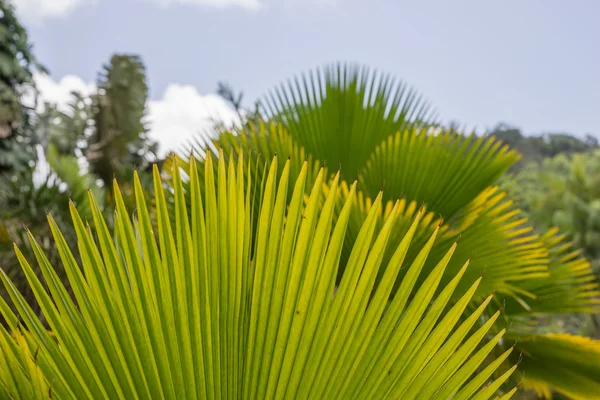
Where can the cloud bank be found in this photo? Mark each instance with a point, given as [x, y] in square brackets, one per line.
[181, 115]
[35, 11]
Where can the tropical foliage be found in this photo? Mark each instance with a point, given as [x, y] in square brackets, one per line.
[564, 191]
[536, 148]
[119, 138]
[17, 65]
[284, 270]
[187, 312]
[84, 146]
[575, 371]
[387, 137]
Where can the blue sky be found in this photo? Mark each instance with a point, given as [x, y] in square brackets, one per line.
[534, 64]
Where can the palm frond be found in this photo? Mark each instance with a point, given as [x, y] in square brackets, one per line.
[341, 112]
[21, 376]
[494, 233]
[265, 140]
[501, 247]
[570, 287]
[25, 199]
[500, 243]
[560, 362]
[440, 168]
[189, 311]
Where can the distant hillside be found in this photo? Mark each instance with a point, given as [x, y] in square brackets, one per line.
[545, 145]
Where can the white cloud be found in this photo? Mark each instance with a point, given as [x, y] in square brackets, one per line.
[34, 11]
[181, 115]
[59, 93]
[247, 4]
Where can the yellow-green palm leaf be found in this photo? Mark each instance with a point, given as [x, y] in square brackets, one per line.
[559, 362]
[493, 235]
[570, 287]
[189, 311]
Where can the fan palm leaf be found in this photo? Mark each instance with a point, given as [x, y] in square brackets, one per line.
[347, 116]
[494, 234]
[414, 163]
[340, 113]
[563, 363]
[189, 311]
[500, 245]
[570, 287]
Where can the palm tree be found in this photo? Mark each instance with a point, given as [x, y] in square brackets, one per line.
[382, 134]
[208, 306]
[119, 139]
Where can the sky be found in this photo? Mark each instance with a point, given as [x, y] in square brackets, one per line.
[533, 64]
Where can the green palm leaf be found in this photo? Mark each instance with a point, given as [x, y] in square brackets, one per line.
[189, 311]
[559, 362]
[570, 287]
[332, 118]
[441, 168]
[21, 377]
[492, 233]
[341, 112]
[415, 166]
